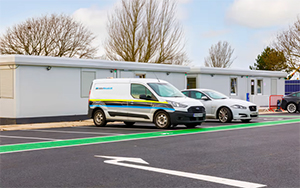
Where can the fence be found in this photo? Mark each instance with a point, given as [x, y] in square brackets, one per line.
[274, 103]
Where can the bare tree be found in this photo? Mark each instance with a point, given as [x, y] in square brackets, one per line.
[54, 35]
[288, 42]
[145, 31]
[220, 55]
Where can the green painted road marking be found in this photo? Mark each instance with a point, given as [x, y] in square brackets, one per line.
[106, 139]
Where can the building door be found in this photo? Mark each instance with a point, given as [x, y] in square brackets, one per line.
[274, 87]
[191, 83]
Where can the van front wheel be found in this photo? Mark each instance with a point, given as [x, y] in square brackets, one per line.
[99, 118]
[162, 120]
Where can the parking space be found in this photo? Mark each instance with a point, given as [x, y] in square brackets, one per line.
[112, 129]
[258, 154]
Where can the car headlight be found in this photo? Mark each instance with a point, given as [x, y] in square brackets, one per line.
[236, 106]
[177, 104]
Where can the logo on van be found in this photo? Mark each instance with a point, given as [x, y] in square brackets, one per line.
[103, 88]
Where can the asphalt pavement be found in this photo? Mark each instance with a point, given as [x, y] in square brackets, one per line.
[263, 153]
[88, 122]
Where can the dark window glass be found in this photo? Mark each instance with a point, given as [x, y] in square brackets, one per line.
[186, 93]
[196, 95]
[138, 89]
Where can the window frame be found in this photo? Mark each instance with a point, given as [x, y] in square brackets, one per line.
[84, 95]
[236, 86]
[139, 75]
[252, 81]
[154, 98]
[261, 86]
[11, 85]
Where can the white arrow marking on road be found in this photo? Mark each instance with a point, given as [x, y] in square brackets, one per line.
[119, 160]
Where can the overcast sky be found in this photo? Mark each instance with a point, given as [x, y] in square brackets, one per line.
[248, 25]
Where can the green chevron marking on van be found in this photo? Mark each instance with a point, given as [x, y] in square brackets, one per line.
[96, 140]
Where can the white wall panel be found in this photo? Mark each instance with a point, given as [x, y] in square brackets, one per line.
[50, 93]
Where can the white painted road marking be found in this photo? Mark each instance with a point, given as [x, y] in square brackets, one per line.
[119, 128]
[35, 138]
[75, 132]
[225, 181]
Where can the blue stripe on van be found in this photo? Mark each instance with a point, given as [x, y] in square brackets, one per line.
[144, 107]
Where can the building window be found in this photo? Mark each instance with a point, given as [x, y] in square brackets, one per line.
[87, 78]
[259, 86]
[140, 75]
[252, 87]
[233, 86]
[7, 83]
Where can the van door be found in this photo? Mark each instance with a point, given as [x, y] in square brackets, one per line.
[112, 98]
[140, 109]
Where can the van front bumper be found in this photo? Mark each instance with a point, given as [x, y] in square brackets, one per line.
[178, 117]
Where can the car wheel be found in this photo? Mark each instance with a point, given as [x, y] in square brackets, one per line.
[224, 115]
[128, 123]
[291, 108]
[245, 120]
[192, 125]
[99, 118]
[162, 120]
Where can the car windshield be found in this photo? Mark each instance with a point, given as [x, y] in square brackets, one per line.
[165, 90]
[215, 95]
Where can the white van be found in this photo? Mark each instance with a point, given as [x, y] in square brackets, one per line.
[142, 100]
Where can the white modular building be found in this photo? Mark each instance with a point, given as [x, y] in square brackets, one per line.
[41, 89]
[253, 85]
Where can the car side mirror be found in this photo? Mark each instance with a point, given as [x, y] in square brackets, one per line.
[204, 98]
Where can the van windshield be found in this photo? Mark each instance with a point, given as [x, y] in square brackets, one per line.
[165, 90]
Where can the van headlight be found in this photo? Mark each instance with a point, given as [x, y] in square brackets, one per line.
[236, 106]
[177, 104]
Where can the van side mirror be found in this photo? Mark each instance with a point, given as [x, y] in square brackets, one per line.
[204, 98]
[143, 97]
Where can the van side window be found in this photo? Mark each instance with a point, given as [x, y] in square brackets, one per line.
[138, 89]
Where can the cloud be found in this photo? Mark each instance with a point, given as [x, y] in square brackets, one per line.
[214, 33]
[182, 13]
[263, 13]
[95, 19]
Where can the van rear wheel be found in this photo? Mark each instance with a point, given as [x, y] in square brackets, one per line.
[99, 118]
[162, 120]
